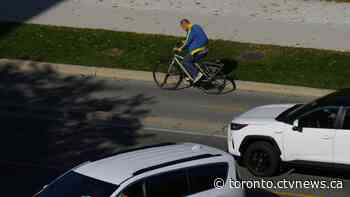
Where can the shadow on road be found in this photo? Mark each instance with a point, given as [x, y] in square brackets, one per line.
[332, 173]
[50, 123]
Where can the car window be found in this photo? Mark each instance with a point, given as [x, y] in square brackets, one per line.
[172, 184]
[74, 184]
[202, 178]
[134, 190]
[320, 118]
[346, 123]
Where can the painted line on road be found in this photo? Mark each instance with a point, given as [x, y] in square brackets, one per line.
[182, 132]
[145, 127]
[222, 108]
[288, 194]
[186, 124]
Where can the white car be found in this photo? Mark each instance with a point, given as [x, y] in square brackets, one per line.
[314, 134]
[171, 170]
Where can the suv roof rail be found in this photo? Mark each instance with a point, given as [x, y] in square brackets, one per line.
[138, 148]
[170, 163]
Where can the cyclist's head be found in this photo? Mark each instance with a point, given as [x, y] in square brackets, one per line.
[185, 24]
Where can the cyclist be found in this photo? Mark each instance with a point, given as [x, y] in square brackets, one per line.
[196, 45]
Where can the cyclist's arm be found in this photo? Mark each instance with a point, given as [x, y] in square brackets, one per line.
[189, 39]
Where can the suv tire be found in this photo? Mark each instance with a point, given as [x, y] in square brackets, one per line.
[262, 159]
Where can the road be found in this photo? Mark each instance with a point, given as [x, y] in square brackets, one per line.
[51, 123]
[190, 109]
[190, 116]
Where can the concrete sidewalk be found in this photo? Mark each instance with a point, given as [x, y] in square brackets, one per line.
[122, 74]
[298, 23]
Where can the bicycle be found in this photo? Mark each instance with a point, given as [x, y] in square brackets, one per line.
[214, 80]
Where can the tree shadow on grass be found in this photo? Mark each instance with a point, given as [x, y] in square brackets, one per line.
[50, 123]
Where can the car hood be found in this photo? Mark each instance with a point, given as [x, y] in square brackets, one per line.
[262, 113]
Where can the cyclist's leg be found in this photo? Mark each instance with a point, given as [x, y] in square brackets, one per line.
[188, 63]
[200, 55]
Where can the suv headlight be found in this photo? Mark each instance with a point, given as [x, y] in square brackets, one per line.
[236, 126]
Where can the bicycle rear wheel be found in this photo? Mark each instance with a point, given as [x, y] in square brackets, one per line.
[215, 86]
[215, 81]
[168, 78]
[231, 85]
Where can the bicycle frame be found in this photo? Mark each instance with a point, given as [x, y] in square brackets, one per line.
[179, 59]
[214, 78]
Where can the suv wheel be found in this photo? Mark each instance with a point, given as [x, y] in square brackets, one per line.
[262, 159]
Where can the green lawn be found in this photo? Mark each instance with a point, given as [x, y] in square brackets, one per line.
[282, 65]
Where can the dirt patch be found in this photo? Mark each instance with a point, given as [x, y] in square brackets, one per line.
[114, 52]
[252, 56]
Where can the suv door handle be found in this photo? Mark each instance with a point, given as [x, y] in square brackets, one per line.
[326, 137]
[278, 132]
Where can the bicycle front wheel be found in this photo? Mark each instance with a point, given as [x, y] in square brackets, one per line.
[168, 78]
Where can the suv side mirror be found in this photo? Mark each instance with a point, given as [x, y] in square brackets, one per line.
[296, 126]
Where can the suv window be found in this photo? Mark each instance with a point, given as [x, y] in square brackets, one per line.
[135, 190]
[171, 184]
[320, 118]
[202, 178]
[75, 184]
[179, 183]
[346, 123]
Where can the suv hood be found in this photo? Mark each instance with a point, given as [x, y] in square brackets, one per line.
[263, 113]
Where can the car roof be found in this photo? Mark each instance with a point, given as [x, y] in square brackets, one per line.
[338, 98]
[117, 169]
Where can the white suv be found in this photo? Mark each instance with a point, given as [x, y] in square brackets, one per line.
[314, 134]
[171, 170]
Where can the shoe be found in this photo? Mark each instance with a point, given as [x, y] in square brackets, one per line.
[188, 81]
[199, 76]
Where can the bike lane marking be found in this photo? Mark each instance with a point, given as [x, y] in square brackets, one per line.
[289, 194]
[179, 125]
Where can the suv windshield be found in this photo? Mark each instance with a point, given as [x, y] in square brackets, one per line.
[76, 185]
[294, 112]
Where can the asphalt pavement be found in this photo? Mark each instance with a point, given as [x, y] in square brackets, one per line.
[52, 123]
[190, 109]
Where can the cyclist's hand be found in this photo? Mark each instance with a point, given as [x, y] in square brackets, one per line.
[176, 49]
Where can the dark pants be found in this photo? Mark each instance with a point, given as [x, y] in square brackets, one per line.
[189, 61]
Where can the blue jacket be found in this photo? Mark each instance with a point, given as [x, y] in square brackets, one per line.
[196, 39]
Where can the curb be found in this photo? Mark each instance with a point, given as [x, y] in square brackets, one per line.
[67, 69]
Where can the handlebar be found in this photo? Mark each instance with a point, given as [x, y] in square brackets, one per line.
[179, 44]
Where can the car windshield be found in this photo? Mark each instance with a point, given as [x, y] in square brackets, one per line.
[302, 109]
[77, 185]
[290, 114]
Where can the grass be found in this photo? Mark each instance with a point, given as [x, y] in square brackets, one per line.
[281, 65]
